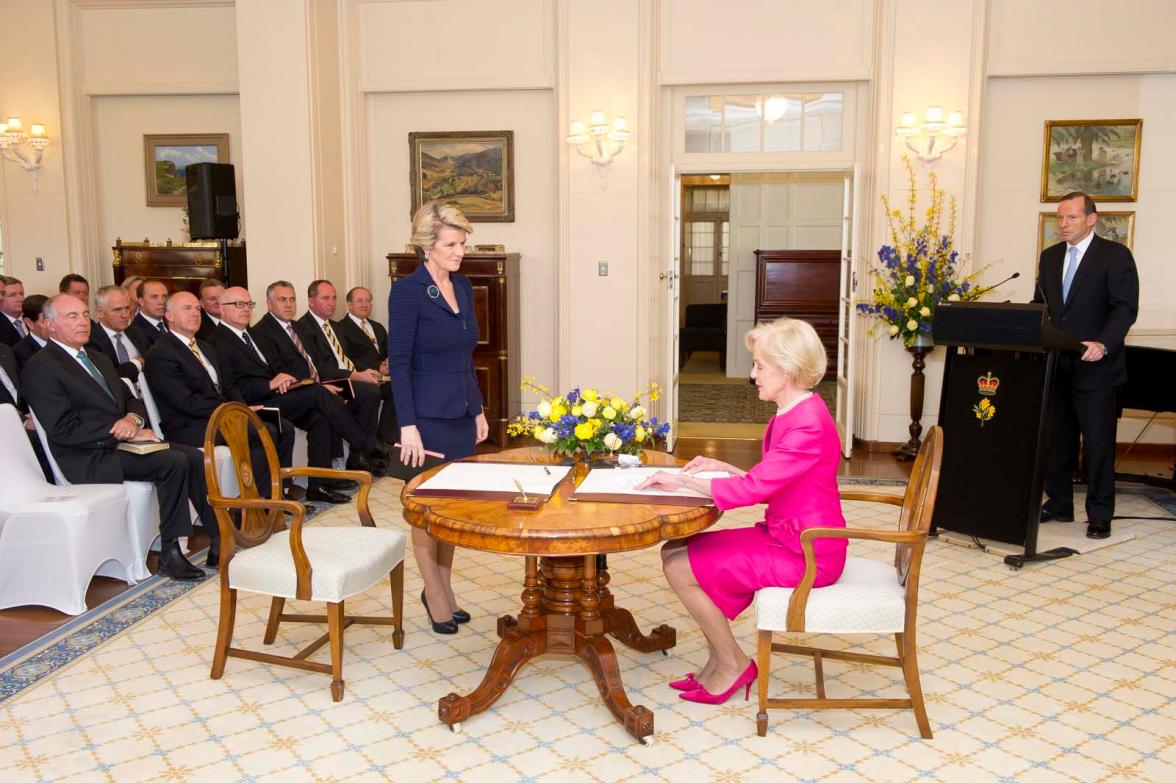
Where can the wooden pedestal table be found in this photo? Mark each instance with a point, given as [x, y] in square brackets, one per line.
[567, 606]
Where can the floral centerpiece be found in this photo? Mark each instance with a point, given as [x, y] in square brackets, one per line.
[919, 268]
[587, 421]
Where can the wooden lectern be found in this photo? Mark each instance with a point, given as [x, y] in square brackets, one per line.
[995, 411]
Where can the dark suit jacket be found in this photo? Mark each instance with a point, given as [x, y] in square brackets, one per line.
[278, 348]
[8, 362]
[77, 413]
[8, 334]
[183, 390]
[431, 349]
[1103, 303]
[99, 341]
[246, 372]
[207, 326]
[358, 347]
[25, 349]
[319, 348]
[144, 333]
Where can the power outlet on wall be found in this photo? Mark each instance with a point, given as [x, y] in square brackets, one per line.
[40, 264]
[602, 268]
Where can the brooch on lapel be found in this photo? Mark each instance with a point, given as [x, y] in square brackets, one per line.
[433, 292]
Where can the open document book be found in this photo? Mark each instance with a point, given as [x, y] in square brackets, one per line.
[618, 485]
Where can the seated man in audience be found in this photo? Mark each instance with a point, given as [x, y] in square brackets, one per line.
[86, 412]
[210, 308]
[10, 394]
[148, 325]
[12, 328]
[110, 335]
[38, 332]
[311, 408]
[366, 344]
[75, 285]
[188, 383]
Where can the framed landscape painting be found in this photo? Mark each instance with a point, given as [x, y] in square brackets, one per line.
[166, 158]
[1117, 226]
[1099, 157]
[473, 170]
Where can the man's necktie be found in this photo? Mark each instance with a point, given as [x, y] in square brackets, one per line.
[90, 368]
[162, 327]
[367, 329]
[249, 341]
[120, 350]
[1068, 277]
[20, 327]
[338, 349]
[298, 344]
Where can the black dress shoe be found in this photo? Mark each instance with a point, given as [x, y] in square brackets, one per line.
[1098, 530]
[447, 627]
[173, 563]
[324, 495]
[357, 461]
[383, 450]
[213, 560]
[1053, 516]
[461, 616]
[340, 485]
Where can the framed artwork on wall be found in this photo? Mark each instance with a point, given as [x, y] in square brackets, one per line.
[1116, 226]
[166, 157]
[472, 169]
[1099, 157]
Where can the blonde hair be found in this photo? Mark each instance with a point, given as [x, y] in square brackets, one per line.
[434, 216]
[793, 346]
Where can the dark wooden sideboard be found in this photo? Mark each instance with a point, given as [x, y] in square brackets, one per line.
[182, 267]
[801, 284]
[495, 279]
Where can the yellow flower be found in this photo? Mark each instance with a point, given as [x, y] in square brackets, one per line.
[912, 302]
[985, 404]
[584, 431]
[953, 298]
[910, 280]
[577, 410]
[589, 394]
[912, 325]
[893, 330]
[609, 413]
[557, 412]
[639, 434]
[925, 311]
[617, 403]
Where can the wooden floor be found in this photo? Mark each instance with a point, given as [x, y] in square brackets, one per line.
[21, 625]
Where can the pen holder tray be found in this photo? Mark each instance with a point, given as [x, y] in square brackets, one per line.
[531, 503]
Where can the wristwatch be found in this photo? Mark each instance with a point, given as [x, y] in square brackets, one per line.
[138, 420]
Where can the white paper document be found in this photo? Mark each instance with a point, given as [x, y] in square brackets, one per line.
[497, 477]
[624, 482]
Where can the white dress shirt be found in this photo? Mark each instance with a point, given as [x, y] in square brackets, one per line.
[1082, 247]
[132, 351]
[204, 362]
[323, 324]
[369, 331]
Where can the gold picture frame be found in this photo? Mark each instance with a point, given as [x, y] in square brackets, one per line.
[167, 155]
[1098, 157]
[1116, 226]
[472, 169]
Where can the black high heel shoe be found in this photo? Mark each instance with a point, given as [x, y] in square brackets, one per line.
[447, 627]
[461, 616]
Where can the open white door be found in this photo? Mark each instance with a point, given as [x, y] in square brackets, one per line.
[670, 293]
[846, 318]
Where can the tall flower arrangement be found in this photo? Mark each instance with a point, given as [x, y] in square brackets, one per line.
[920, 267]
[588, 421]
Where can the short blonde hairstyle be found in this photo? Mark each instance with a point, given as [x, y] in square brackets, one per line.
[431, 218]
[793, 346]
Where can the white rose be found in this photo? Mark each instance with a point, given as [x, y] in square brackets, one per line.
[910, 280]
[547, 436]
[589, 409]
[953, 298]
[912, 302]
[893, 330]
[925, 311]
[544, 409]
[636, 412]
[612, 442]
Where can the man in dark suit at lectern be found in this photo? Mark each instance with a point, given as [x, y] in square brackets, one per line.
[1091, 288]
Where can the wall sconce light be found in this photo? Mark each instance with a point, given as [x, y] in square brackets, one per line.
[601, 141]
[24, 149]
[932, 127]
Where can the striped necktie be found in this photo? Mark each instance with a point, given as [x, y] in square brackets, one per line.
[195, 348]
[367, 329]
[301, 350]
[338, 349]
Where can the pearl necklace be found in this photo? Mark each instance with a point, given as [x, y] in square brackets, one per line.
[794, 403]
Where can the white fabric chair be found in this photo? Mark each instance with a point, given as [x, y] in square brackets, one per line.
[871, 597]
[142, 517]
[53, 540]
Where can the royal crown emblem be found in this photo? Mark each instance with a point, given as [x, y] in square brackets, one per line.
[987, 384]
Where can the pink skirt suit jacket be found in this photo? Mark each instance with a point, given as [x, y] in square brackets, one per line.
[797, 478]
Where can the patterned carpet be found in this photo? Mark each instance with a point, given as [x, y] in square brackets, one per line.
[734, 402]
[1060, 672]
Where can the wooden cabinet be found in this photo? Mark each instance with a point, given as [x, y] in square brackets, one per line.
[495, 280]
[181, 267]
[801, 284]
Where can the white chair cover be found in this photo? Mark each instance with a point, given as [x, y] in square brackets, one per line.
[53, 540]
[866, 599]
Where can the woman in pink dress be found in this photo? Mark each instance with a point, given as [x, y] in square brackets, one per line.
[716, 574]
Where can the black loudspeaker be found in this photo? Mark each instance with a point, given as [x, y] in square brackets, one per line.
[212, 201]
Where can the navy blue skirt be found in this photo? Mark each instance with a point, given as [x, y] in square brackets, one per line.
[452, 437]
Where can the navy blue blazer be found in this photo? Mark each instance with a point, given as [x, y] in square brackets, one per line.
[431, 349]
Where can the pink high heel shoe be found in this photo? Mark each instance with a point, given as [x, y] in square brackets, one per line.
[702, 696]
[687, 683]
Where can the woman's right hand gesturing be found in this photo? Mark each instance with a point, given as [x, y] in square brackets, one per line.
[412, 450]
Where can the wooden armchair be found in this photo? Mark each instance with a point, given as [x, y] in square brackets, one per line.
[871, 597]
[259, 554]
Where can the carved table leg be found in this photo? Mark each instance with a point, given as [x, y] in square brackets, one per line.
[620, 623]
[516, 648]
[598, 655]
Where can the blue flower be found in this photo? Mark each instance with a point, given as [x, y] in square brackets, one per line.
[574, 395]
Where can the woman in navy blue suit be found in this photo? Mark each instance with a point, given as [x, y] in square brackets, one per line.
[432, 332]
